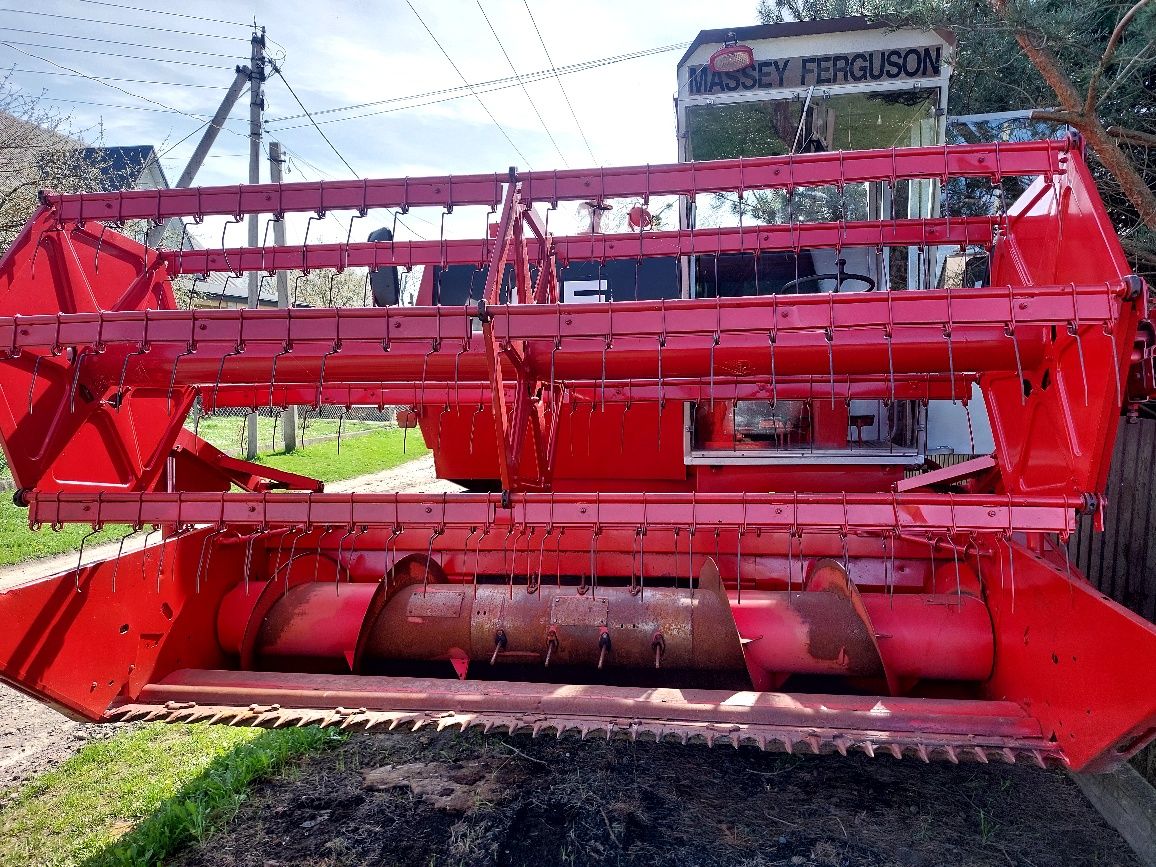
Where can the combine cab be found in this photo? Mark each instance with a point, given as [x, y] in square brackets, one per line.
[798, 475]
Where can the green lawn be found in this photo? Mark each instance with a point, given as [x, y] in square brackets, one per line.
[139, 796]
[359, 455]
[225, 432]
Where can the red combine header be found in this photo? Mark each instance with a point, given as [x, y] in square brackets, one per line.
[602, 585]
[699, 499]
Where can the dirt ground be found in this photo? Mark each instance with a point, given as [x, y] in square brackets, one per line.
[35, 738]
[449, 799]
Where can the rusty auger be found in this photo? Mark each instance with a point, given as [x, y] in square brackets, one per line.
[702, 492]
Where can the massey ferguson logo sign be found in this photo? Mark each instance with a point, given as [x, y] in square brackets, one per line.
[819, 70]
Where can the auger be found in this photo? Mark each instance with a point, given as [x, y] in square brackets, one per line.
[689, 510]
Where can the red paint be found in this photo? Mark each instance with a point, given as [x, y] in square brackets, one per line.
[576, 413]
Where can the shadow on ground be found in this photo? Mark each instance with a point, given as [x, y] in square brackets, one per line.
[477, 800]
[210, 799]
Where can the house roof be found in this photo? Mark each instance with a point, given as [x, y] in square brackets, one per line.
[122, 167]
[794, 28]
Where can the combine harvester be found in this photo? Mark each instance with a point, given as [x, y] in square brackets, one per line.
[795, 471]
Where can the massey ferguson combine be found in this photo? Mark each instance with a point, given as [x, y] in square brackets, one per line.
[793, 468]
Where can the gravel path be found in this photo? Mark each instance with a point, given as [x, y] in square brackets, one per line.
[35, 738]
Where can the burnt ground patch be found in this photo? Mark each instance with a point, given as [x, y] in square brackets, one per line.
[434, 799]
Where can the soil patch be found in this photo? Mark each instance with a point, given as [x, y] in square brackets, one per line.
[433, 799]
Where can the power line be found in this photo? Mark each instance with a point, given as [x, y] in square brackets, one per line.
[110, 78]
[482, 87]
[525, 90]
[466, 82]
[118, 23]
[106, 84]
[561, 86]
[320, 132]
[166, 13]
[97, 104]
[13, 42]
[103, 41]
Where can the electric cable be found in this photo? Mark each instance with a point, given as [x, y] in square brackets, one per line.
[12, 42]
[145, 45]
[466, 82]
[118, 23]
[561, 86]
[166, 13]
[525, 89]
[112, 78]
[112, 86]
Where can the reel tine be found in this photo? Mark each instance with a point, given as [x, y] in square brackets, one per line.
[32, 384]
[80, 554]
[119, 553]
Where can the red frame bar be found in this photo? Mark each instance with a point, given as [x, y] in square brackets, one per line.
[916, 512]
[762, 315]
[963, 231]
[799, 170]
[469, 393]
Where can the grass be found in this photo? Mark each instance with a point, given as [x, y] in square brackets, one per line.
[18, 543]
[138, 797]
[359, 455]
[226, 432]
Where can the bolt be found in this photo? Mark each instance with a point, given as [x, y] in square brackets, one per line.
[603, 645]
[658, 645]
[499, 644]
[551, 644]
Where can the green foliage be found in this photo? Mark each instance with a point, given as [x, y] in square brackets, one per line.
[992, 74]
[781, 11]
[134, 799]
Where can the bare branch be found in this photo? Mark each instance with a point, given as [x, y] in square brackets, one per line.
[1109, 53]
[1132, 136]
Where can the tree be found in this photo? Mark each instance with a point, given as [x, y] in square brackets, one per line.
[1091, 66]
[38, 150]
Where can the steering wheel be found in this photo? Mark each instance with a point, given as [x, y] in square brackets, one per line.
[841, 277]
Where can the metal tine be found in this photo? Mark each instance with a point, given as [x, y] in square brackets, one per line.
[144, 549]
[478, 556]
[81, 355]
[1074, 331]
[252, 537]
[207, 551]
[1115, 361]
[232, 221]
[142, 349]
[120, 551]
[973, 542]
[96, 528]
[1009, 330]
[947, 329]
[99, 244]
[32, 384]
[1011, 566]
[438, 531]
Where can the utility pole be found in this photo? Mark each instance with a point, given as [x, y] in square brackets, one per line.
[289, 416]
[256, 108]
[157, 233]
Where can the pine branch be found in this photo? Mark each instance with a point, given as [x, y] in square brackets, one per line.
[1109, 53]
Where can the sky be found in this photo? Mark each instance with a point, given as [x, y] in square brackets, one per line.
[334, 55]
